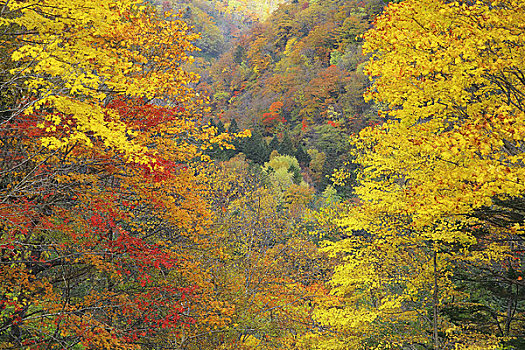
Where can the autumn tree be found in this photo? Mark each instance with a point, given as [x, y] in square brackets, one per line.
[271, 270]
[439, 186]
[102, 227]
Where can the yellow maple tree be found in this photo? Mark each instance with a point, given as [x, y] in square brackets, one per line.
[447, 158]
[74, 57]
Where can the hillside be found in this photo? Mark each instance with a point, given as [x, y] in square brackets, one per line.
[262, 175]
[298, 74]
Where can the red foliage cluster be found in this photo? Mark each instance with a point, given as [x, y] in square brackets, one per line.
[67, 216]
[273, 117]
[143, 116]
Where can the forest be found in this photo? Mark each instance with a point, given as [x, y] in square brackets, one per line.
[262, 174]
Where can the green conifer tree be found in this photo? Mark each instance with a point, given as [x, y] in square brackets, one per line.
[302, 156]
[220, 127]
[233, 128]
[255, 148]
[286, 146]
[274, 144]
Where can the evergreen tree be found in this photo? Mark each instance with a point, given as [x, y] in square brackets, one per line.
[302, 156]
[286, 146]
[274, 144]
[233, 128]
[220, 127]
[297, 177]
[255, 148]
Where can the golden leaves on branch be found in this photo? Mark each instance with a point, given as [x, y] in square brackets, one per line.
[77, 56]
[448, 155]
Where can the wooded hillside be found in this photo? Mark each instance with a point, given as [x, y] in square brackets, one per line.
[190, 174]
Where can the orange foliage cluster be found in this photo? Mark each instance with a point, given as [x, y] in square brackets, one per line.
[273, 116]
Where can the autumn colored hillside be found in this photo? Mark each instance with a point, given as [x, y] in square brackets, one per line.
[242, 174]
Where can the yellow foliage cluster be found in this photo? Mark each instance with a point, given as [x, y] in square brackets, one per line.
[448, 154]
[74, 57]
